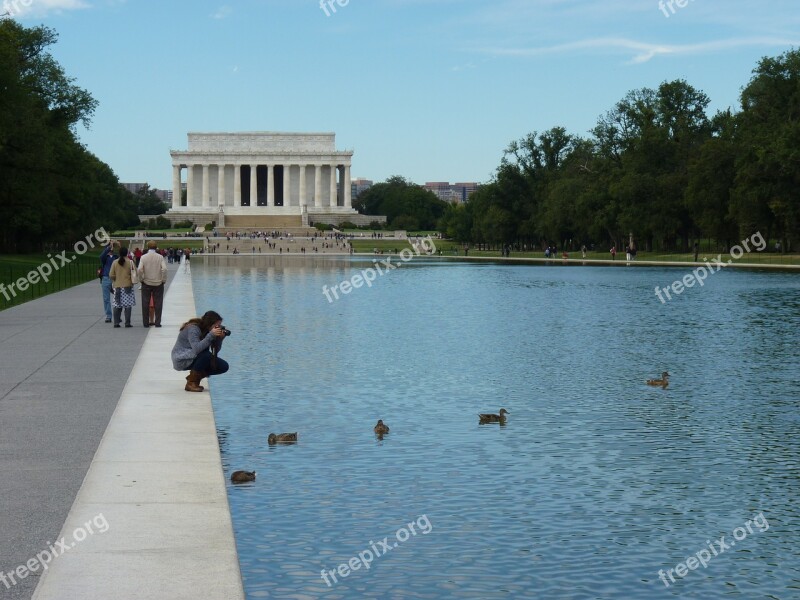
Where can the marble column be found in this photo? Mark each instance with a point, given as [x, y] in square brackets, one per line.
[348, 188]
[287, 185]
[303, 200]
[253, 185]
[333, 200]
[176, 186]
[190, 185]
[237, 185]
[221, 185]
[206, 188]
[317, 185]
[270, 185]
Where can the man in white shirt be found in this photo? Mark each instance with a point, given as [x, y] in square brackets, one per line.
[153, 275]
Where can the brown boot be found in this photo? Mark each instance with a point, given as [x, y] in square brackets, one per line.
[193, 382]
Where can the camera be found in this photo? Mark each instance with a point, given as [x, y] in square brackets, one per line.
[225, 330]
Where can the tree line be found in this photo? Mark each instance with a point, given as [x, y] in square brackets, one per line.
[656, 165]
[52, 189]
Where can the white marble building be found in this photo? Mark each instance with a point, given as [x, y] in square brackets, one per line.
[261, 174]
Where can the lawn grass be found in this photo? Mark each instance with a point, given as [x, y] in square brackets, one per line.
[21, 272]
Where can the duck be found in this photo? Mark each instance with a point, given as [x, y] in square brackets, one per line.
[243, 476]
[491, 418]
[381, 428]
[281, 438]
[663, 382]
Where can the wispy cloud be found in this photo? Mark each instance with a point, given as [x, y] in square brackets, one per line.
[642, 51]
[222, 12]
[40, 8]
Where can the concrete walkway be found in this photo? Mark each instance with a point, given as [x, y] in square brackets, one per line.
[151, 517]
[62, 373]
[157, 489]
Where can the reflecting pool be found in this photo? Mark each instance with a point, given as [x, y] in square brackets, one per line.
[594, 484]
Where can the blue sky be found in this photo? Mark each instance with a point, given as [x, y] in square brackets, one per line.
[433, 90]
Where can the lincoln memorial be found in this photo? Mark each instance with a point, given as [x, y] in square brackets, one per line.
[255, 179]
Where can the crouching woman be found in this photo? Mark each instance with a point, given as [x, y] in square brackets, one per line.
[197, 349]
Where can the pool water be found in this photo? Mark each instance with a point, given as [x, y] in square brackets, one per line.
[595, 483]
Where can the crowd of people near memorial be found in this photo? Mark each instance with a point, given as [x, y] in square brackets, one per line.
[264, 242]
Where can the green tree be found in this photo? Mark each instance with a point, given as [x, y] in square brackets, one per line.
[406, 205]
[767, 185]
[51, 187]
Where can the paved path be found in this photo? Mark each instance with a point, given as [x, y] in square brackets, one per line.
[154, 494]
[62, 372]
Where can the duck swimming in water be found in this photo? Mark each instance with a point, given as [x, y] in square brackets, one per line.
[381, 428]
[281, 438]
[491, 418]
[663, 382]
[243, 476]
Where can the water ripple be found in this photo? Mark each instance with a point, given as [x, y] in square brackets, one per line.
[594, 484]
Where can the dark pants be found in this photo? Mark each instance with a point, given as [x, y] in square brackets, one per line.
[118, 315]
[206, 363]
[157, 292]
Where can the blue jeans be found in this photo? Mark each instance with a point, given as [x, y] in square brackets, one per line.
[202, 363]
[106, 285]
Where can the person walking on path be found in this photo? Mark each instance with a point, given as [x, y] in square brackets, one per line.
[153, 275]
[614, 252]
[122, 274]
[107, 258]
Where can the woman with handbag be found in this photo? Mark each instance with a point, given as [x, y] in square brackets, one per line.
[122, 276]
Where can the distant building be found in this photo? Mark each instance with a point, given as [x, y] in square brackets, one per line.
[464, 190]
[262, 179]
[164, 195]
[360, 185]
[458, 192]
[133, 188]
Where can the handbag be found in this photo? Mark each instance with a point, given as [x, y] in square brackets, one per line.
[100, 270]
[134, 273]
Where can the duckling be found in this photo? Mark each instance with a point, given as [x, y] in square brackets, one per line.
[663, 382]
[490, 418]
[281, 438]
[381, 428]
[243, 476]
